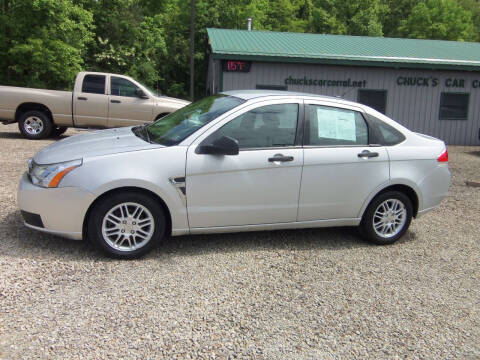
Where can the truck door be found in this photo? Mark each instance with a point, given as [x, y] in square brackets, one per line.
[90, 102]
[126, 107]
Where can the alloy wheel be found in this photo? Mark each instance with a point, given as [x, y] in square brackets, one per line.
[128, 226]
[33, 125]
[389, 218]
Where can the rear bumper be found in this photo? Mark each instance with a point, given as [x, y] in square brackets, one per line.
[61, 211]
[434, 188]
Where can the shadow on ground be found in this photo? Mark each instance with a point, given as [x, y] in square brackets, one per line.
[17, 135]
[19, 241]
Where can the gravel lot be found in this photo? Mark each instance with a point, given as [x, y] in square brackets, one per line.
[305, 294]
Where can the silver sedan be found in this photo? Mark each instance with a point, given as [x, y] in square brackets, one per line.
[236, 161]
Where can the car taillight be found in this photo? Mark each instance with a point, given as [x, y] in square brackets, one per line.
[443, 157]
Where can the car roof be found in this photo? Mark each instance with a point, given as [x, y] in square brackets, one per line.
[256, 94]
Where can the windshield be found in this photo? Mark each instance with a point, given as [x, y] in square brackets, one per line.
[175, 127]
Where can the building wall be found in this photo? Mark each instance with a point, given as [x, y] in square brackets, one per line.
[416, 107]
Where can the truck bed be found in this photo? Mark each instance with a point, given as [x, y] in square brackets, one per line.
[58, 102]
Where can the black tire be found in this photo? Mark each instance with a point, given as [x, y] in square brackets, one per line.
[161, 116]
[35, 125]
[56, 132]
[105, 205]
[367, 229]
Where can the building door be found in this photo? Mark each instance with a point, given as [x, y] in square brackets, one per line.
[376, 99]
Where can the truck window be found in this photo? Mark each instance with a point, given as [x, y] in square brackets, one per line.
[122, 87]
[94, 84]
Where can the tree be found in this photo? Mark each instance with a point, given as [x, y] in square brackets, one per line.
[44, 42]
[474, 7]
[439, 19]
[395, 12]
[356, 17]
[127, 41]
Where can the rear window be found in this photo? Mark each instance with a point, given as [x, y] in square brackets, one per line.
[94, 84]
[385, 134]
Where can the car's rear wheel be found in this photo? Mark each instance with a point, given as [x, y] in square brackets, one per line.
[387, 218]
[35, 125]
[126, 225]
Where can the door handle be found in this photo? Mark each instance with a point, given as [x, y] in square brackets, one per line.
[367, 154]
[82, 98]
[280, 158]
[115, 101]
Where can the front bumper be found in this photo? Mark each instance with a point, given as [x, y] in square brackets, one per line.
[61, 210]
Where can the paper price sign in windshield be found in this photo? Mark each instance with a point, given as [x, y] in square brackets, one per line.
[336, 124]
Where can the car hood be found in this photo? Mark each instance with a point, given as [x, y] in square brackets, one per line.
[96, 143]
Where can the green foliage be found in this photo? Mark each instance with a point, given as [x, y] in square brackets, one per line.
[439, 19]
[395, 12]
[43, 43]
[355, 17]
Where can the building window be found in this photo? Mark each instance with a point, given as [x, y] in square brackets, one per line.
[376, 99]
[271, 87]
[454, 106]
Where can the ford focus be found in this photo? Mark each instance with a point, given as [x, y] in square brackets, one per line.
[236, 161]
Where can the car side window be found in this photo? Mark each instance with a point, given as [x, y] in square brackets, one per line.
[94, 84]
[331, 126]
[263, 127]
[384, 134]
[122, 87]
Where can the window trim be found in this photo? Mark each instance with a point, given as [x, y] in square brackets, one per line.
[306, 131]
[383, 90]
[450, 118]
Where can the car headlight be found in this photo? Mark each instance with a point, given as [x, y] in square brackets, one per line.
[50, 175]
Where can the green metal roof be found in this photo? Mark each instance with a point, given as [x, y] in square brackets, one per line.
[343, 49]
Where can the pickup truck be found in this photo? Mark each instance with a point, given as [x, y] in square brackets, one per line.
[98, 100]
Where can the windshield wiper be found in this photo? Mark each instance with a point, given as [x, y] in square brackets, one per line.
[147, 135]
[142, 132]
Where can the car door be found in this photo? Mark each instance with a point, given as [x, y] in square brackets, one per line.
[261, 184]
[126, 107]
[341, 168]
[90, 102]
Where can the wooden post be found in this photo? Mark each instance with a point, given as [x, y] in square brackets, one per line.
[192, 48]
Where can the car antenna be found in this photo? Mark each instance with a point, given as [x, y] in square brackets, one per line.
[345, 93]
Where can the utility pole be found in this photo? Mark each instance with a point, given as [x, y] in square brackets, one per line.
[192, 48]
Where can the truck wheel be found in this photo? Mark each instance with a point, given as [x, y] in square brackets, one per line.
[56, 132]
[35, 125]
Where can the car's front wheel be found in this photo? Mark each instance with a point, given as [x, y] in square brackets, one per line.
[387, 218]
[126, 225]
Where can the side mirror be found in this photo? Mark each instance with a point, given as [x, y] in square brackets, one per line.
[139, 93]
[224, 145]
